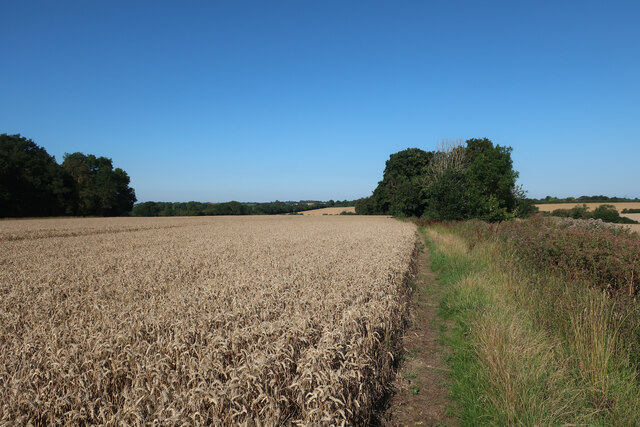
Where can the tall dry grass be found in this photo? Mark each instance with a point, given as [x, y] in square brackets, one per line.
[547, 344]
[505, 370]
[219, 321]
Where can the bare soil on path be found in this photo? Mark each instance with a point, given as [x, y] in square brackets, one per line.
[420, 396]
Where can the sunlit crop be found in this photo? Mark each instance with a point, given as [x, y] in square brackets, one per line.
[227, 320]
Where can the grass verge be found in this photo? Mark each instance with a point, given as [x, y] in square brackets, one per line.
[519, 357]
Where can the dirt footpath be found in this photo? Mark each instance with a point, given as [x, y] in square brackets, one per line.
[420, 395]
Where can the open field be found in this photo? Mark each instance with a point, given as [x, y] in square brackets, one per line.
[633, 227]
[226, 320]
[329, 211]
[619, 206]
[635, 217]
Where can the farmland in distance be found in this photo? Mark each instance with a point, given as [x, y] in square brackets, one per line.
[635, 217]
[330, 211]
[226, 320]
[548, 207]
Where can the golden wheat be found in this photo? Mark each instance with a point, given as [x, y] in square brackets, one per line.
[548, 207]
[329, 211]
[224, 321]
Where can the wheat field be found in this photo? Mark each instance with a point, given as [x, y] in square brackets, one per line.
[329, 211]
[619, 206]
[283, 320]
[635, 217]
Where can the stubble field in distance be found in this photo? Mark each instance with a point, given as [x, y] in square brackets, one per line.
[330, 211]
[618, 206]
[635, 217]
[548, 207]
[226, 320]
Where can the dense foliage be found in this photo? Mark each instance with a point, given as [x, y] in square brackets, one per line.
[588, 253]
[32, 183]
[102, 190]
[230, 208]
[606, 213]
[591, 251]
[455, 182]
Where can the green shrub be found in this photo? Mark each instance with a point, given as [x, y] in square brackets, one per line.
[606, 213]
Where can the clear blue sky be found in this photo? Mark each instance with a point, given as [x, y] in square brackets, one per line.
[265, 100]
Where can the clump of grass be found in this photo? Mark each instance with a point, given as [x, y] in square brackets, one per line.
[527, 377]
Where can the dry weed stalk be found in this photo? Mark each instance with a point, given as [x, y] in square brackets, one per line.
[450, 156]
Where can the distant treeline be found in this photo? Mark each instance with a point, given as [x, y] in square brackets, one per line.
[33, 184]
[231, 208]
[584, 199]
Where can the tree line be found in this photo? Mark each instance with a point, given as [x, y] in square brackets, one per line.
[33, 184]
[455, 182]
[231, 208]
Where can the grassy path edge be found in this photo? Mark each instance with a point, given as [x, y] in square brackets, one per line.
[504, 368]
[419, 391]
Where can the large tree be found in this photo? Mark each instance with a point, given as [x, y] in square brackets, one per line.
[454, 182]
[399, 191]
[102, 190]
[31, 182]
[491, 180]
[444, 182]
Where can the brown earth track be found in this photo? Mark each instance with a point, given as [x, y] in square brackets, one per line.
[420, 395]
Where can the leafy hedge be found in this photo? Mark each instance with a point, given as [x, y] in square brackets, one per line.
[606, 213]
[605, 255]
[583, 252]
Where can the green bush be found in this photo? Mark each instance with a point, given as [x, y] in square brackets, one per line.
[606, 213]
[454, 182]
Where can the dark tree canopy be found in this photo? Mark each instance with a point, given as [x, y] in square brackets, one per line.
[32, 183]
[446, 197]
[399, 191]
[102, 190]
[457, 182]
[491, 180]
